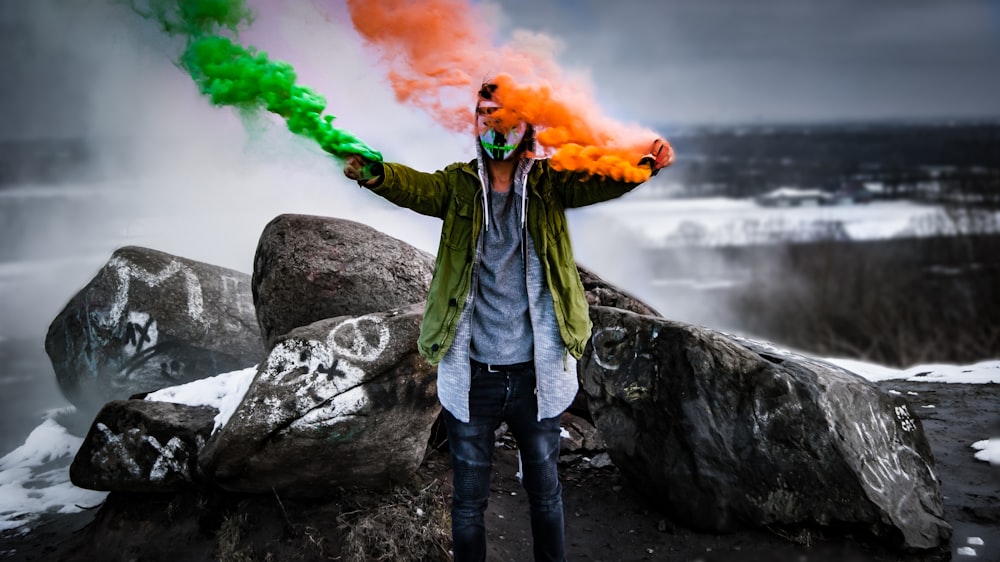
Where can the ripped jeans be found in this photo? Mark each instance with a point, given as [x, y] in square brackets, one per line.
[497, 397]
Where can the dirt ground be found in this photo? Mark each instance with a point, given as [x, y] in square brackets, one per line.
[606, 519]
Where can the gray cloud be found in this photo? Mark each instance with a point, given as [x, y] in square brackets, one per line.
[657, 62]
[686, 61]
[41, 79]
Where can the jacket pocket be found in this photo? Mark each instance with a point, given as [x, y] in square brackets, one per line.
[457, 227]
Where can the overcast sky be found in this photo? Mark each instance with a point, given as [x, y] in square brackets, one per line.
[781, 60]
[657, 62]
[195, 181]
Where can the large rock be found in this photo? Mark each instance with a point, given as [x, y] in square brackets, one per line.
[601, 293]
[150, 320]
[724, 432]
[310, 268]
[342, 402]
[143, 446]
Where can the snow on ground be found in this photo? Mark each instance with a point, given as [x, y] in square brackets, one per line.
[980, 373]
[720, 221]
[34, 478]
[988, 450]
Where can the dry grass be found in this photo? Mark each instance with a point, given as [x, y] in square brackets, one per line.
[894, 302]
[801, 537]
[230, 536]
[408, 523]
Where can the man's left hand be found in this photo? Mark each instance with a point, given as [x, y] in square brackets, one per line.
[660, 156]
[662, 153]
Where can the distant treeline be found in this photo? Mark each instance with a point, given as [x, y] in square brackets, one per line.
[957, 162]
[896, 302]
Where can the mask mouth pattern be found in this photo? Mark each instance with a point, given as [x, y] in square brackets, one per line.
[499, 145]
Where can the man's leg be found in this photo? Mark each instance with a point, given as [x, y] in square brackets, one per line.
[471, 446]
[538, 443]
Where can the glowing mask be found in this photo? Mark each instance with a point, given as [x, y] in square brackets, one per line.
[497, 143]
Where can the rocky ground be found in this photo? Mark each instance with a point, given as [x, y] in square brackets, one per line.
[606, 519]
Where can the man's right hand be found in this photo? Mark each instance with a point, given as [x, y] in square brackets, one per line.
[361, 170]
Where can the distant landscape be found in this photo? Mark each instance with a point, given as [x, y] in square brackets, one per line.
[920, 160]
[931, 294]
[943, 162]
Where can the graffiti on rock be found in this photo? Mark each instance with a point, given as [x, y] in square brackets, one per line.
[119, 450]
[606, 342]
[231, 294]
[326, 375]
[356, 334]
[126, 272]
[115, 452]
[141, 338]
[140, 333]
[171, 457]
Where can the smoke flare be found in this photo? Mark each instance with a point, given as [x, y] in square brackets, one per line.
[242, 77]
[438, 51]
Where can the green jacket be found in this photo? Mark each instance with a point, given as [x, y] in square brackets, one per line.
[454, 195]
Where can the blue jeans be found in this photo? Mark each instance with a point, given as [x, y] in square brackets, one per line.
[495, 398]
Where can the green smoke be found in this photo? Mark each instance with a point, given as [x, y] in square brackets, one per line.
[242, 77]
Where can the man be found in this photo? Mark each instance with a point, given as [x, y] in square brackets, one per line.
[505, 307]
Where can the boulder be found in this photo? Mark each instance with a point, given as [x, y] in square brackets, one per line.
[310, 268]
[601, 293]
[341, 402]
[723, 432]
[142, 446]
[150, 320]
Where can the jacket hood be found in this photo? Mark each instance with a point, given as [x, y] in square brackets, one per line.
[525, 161]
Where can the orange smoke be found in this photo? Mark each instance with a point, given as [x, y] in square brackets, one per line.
[595, 143]
[440, 51]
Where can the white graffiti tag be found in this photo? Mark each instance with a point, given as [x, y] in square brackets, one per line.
[116, 449]
[605, 343]
[905, 421]
[359, 348]
[876, 465]
[127, 271]
[326, 375]
[172, 458]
